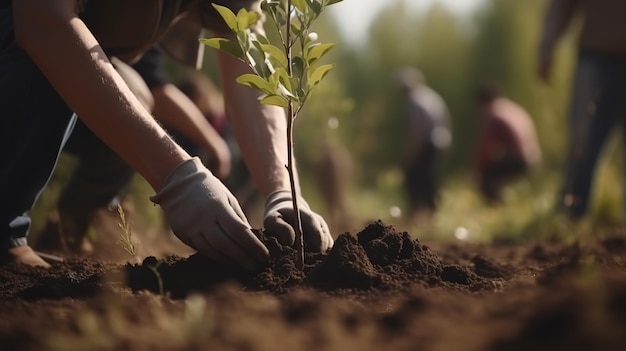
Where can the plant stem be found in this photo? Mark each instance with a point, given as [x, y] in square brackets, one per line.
[299, 242]
[155, 270]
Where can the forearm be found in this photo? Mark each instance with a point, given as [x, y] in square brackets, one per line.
[87, 81]
[176, 111]
[260, 129]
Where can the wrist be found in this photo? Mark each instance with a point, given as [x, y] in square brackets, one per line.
[276, 195]
[179, 175]
[284, 195]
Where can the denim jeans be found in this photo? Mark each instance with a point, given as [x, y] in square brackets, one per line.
[34, 125]
[598, 105]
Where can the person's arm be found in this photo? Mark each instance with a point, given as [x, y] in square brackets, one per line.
[558, 17]
[260, 129]
[176, 111]
[89, 84]
[261, 133]
[199, 208]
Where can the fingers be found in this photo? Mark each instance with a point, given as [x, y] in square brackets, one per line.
[204, 247]
[228, 239]
[239, 241]
[234, 204]
[327, 238]
[279, 219]
[316, 232]
[228, 249]
[276, 226]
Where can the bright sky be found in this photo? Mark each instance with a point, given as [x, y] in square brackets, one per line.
[354, 16]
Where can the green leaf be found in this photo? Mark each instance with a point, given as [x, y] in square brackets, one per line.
[244, 40]
[262, 55]
[257, 44]
[295, 85]
[274, 81]
[315, 6]
[275, 100]
[254, 81]
[283, 77]
[286, 92]
[316, 52]
[330, 2]
[275, 53]
[280, 15]
[318, 74]
[301, 5]
[266, 6]
[300, 93]
[297, 66]
[228, 16]
[296, 28]
[270, 8]
[245, 19]
[260, 38]
[302, 18]
[257, 60]
[225, 45]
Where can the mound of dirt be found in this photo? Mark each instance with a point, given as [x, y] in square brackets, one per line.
[376, 259]
[377, 289]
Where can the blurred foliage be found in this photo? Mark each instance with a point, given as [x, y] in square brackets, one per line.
[498, 45]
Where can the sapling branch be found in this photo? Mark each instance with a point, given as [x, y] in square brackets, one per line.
[285, 79]
[291, 114]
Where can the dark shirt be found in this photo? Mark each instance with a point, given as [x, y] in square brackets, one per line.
[151, 68]
[127, 29]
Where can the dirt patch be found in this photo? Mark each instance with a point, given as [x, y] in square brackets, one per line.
[377, 289]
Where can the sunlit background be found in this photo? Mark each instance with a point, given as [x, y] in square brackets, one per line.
[355, 16]
[457, 44]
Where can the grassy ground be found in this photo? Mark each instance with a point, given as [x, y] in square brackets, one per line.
[527, 215]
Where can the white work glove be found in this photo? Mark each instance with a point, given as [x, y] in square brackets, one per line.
[279, 216]
[204, 214]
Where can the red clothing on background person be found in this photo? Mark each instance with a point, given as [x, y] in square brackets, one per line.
[508, 146]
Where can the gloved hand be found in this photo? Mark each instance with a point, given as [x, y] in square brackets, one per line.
[279, 216]
[204, 214]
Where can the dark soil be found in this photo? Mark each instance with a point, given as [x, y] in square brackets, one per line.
[378, 289]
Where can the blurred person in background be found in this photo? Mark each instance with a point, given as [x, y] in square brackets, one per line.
[507, 147]
[210, 101]
[428, 139]
[333, 169]
[598, 96]
[101, 178]
[44, 93]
